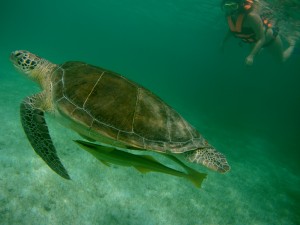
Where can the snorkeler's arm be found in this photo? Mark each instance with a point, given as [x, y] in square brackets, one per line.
[255, 22]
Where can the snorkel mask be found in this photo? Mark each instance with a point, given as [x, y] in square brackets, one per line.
[230, 7]
[233, 6]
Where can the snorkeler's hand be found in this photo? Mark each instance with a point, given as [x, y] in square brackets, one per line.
[249, 60]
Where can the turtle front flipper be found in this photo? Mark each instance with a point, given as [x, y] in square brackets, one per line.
[35, 127]
[210, 158]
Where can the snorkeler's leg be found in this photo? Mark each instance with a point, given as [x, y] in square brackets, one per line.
[288, 52]
[276, 49]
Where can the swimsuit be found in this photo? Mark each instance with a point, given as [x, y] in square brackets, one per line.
[247, 34]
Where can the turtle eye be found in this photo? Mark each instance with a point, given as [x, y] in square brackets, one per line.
[18, 54]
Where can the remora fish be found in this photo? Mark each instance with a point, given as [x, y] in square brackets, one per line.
[143, 163]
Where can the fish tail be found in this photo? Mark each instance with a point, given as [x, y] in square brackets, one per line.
[192, 175]
[195, 177]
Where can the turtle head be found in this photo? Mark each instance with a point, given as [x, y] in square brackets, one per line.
[25, 61]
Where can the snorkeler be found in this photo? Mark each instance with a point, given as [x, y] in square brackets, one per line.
[246, 22]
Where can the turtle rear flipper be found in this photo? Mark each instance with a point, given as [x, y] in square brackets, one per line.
[35, 127]
[210, 158]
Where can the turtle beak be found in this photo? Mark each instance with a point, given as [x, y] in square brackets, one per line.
[14, 56]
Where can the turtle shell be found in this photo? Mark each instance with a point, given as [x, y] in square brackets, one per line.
[107, 107]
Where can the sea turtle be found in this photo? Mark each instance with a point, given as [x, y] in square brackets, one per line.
[104, 106]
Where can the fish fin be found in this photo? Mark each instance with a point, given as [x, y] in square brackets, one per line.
[105, 163]
[104, 148]
[92, 146]
[142, 169]
[174, 158]
[87, 138]
[149, 157]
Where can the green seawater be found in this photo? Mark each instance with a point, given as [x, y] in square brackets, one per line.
[251, 114]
